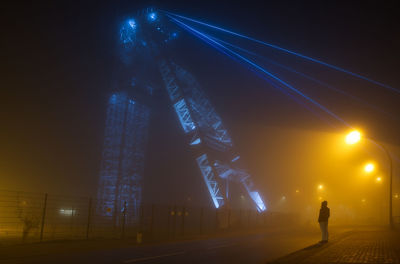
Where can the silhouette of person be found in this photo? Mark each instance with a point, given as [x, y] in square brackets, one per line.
[323, 217]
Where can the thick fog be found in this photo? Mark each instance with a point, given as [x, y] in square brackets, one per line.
[299, 169]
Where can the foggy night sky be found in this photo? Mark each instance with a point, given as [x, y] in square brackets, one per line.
[57, 67]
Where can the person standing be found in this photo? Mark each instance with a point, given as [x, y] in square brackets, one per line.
[323, 217]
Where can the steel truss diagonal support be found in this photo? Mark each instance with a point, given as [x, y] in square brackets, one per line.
[199, 120]
[184, 116]
[122, 165]
[190, 127]
[179, 103]
[239, 175]
[216, 135]
[210, 180]
[169, 81]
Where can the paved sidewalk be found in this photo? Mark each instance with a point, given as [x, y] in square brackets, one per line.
[356, 246]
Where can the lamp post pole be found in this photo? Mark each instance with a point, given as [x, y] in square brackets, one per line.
[391, 225]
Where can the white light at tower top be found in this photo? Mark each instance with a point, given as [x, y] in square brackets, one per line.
[132, 23]
[152, 16]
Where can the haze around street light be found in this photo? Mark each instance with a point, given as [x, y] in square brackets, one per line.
[369, 167]
[353, 137]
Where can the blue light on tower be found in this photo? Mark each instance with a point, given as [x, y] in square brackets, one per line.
[152, 17]
[128, 31]
[132, 23]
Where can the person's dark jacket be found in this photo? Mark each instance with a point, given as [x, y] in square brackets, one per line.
[324, 214]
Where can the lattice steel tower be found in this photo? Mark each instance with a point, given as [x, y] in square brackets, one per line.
[143, 43]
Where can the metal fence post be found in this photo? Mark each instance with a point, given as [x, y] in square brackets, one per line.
[89, 218]
[174, 222]
[152, 221]
[265, 218]
[240, 219]
[141, 224]
[201, 220]
[71, 223]
[183, 221]
[169, 221]
[43, 217]
[123, 221]
[229, 218]
[216, 219]
[248, 218]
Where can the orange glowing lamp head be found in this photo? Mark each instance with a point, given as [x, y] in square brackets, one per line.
[353, 137]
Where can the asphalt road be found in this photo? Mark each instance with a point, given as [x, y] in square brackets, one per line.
[250, 248]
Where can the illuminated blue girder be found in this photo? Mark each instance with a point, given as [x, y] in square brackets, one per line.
[169, 81]
[210, 123]
[199, 118]
[210, 180]
[196, 141]
[190, 121]
[182, 111]
[239, 175]
[123, 155]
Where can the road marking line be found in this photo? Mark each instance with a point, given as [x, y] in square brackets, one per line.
[154, 257]
[220, 246]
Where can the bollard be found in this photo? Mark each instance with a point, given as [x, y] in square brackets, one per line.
[139, 237]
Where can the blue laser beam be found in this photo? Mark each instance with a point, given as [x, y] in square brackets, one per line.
[366, 103]
[276, 86]
[204, 36]
[287, 51]
[256, 66]
[268, 80]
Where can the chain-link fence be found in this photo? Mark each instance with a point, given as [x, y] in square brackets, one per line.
[31, 217]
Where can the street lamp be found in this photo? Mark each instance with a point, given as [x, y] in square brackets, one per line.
[369, 167]
[354, 137]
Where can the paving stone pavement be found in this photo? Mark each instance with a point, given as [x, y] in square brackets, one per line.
[357, 246]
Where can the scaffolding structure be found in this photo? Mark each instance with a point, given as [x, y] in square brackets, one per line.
[146, 39]
[122, 167]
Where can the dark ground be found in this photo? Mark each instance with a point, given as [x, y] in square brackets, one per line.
[355, 246]
[279, 246]
[247, 248]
